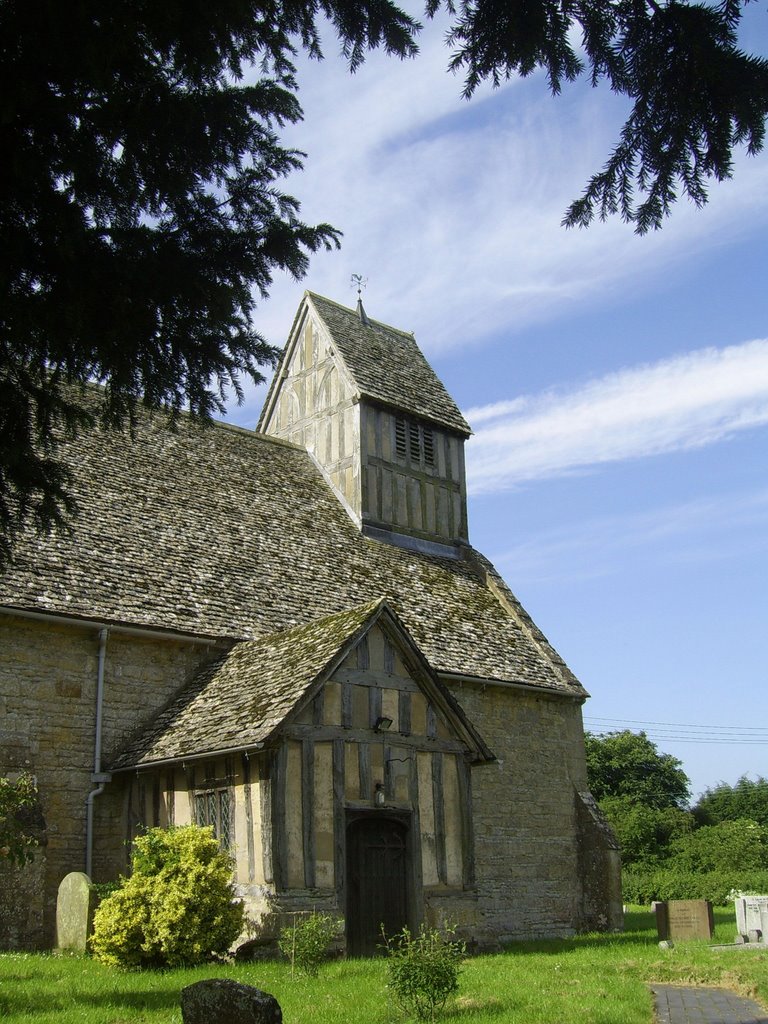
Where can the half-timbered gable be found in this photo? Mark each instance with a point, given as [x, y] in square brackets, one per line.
[283, 744]
[286, 635]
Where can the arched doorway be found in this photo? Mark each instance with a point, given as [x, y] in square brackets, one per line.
[377, 882]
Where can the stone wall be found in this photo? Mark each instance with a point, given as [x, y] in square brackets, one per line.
[47, 719]
[526, 849]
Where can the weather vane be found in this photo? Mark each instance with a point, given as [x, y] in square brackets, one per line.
[360, 281]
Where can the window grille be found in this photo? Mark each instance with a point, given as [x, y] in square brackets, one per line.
[214, 807]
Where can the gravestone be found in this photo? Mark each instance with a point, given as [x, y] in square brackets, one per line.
[685, 919]
[752, 917]
[74, 912]
[223, 1001]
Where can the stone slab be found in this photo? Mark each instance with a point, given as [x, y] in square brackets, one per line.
[224, 1001]
[75, 905]
[685, 919]
[752, 915]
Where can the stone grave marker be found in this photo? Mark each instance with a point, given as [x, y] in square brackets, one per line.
[224, 1001]
[685, 919]
[74, 911]
[751, 917]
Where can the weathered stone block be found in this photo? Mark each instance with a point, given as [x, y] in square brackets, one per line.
[74, 911]
[223, 1001]
[685, 919]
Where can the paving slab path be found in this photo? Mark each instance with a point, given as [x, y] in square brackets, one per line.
[678, 1005]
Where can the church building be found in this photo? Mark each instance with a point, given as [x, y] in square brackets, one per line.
[286, 634]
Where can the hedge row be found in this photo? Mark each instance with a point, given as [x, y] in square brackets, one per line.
[645, 885]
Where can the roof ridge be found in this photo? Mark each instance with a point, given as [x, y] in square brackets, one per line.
[372, 321]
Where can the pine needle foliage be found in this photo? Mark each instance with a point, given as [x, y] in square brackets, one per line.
[142, 218]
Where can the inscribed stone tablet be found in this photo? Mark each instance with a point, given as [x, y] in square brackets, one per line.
[751, 914]
[74, 911]
[685, 919]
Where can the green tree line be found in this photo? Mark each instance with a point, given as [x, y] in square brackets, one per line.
[670, 849]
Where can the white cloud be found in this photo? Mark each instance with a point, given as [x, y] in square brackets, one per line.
[709, 529]
[685, 402]
[452, 209]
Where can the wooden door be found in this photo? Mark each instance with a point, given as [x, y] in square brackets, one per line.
[377, 883]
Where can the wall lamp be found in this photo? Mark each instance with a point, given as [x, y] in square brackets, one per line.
[383, 722]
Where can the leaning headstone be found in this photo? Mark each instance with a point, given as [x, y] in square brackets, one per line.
[75, 905]
[223, 1001]
[685, 919]
[752, 916]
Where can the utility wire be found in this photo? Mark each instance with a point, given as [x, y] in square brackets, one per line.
[678, 732]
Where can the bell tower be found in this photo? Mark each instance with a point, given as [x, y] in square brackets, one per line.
[362, 399]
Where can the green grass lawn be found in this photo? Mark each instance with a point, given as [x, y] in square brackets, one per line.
[591, 979]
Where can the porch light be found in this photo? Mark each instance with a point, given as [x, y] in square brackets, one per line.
[378, 795]
[383, 722]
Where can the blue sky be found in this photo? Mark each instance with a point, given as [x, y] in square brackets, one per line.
[617, 385]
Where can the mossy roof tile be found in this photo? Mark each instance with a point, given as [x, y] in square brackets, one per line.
[388, 366]
[218, 531]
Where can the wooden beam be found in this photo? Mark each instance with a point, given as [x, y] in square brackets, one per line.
[364, 770]
[404, 712]
[279, 777]
[333, 732]
[438, 806]
[318, 703]
[266, 769]
[371, 677]
[463, 774]
[346, 704]
[248, 801]
[417, 884]
[307, 810]
[339, 820]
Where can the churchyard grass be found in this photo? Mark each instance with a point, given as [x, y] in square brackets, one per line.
[591, 979]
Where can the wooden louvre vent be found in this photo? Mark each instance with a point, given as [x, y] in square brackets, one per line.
[414, 442]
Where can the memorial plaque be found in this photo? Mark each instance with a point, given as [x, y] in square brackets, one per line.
[752, 915]
[685, 919]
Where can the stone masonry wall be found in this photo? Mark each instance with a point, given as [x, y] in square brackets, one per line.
[47, 716]
[526, 850]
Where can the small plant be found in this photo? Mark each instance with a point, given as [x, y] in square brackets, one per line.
[18, 799]
[306, 941]
[176, 908]
[423, 970]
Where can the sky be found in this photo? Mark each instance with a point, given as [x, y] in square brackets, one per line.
[617, 385]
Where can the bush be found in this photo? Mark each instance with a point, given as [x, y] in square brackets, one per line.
[177, 906]
[730, 845]
[642, 886]
[306, 941]
[423, 970]
[18, 802]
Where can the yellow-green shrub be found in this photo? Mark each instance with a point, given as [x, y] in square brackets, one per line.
[176, 908]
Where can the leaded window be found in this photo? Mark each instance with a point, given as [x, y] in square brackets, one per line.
[214, 807]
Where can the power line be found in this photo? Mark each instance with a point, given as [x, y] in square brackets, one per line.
[681, 725]
[678, 732]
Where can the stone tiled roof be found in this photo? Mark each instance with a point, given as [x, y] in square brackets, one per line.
[242, 698]
[223, 532]
[388, 366]
[239, 700]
